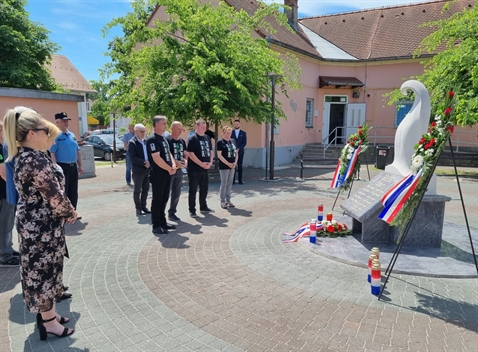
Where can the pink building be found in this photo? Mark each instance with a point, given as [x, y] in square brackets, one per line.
[349, 61]
[73, 101]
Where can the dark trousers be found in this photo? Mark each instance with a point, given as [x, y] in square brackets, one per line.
[176, 184]
[240, 159]
[141, 188]
[70, 170]
[160, 184]
[198, 179]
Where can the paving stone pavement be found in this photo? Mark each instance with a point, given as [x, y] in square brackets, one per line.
[225, 282]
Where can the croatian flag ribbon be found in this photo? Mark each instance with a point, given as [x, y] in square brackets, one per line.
[339, 179]
[394, 200]
[304, 230]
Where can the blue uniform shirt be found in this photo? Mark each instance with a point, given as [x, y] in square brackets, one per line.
[12, 194]
[65, 148]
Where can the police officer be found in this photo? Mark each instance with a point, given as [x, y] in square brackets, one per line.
[66, 153]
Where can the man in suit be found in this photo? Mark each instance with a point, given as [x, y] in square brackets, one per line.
[138, 155]
[241, 140]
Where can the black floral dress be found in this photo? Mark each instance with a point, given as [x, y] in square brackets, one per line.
[41, 213]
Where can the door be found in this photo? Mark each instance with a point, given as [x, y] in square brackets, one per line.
[355, 118]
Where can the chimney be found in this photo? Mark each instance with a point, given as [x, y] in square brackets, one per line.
[292, 13]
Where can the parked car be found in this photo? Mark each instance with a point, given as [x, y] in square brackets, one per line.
[103, 146]
[98, 132]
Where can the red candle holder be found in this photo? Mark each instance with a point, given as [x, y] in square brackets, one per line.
[329, 216]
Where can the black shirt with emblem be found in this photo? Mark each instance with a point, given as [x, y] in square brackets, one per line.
[201, 146]
[228, 150]
[155, 144]
[177, 147]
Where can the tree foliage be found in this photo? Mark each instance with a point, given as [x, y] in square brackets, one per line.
[455, 66]
[101, 108]
[203, 61]
[24, 49]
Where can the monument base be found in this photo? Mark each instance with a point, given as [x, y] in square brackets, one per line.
[426, 229]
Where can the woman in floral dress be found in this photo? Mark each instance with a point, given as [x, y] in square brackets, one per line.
[42, 211]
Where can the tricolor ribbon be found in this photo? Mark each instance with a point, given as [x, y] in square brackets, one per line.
[302, 231]
[394, 200]
[340, 179]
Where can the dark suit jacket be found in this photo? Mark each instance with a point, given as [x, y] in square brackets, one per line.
[241, 141]
[136, 154]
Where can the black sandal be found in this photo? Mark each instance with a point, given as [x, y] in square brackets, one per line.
[62, 320]
[44, 333]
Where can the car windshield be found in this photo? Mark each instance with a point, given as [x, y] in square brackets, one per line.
[108, 139]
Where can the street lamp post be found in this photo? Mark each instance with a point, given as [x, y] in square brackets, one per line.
[273, 78]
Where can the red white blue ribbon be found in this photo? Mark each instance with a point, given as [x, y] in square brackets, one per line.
[340, 179]
[394, 200]
[302, 231]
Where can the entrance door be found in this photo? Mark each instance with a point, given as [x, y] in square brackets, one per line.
[334, 119]
[355, 118]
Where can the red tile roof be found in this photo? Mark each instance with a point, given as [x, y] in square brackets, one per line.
[382, 33]
[66, 75]
[297, 41]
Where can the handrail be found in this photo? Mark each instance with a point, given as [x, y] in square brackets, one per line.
[456, 137]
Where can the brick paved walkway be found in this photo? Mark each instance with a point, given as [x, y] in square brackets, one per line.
[225, 282]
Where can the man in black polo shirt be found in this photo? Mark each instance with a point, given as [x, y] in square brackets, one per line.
[162, 167]
[200, 158]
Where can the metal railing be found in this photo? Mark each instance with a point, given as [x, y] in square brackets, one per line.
[382, 135]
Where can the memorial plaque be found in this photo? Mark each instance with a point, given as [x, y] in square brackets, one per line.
[368, 199]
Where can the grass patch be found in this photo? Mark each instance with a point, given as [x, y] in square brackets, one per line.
[443, 172]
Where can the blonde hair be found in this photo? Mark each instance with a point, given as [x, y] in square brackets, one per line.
[54, 131]
[17, 122]
[226, 128]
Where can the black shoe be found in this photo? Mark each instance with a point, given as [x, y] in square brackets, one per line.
[66, 295]
[169, 227]
[16, 253]
[206, 210]
[241, 183]
[44, 333]
[146, 210]
[79, 218]
[160, 231]
[13, 262]
[139, 212]
[65, 288]
[193, 214]
[173, 217]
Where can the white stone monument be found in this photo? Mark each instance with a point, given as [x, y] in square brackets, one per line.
[410, 130]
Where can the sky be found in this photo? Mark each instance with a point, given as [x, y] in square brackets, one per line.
[76, 25]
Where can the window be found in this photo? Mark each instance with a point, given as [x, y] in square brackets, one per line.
[309, 113]
[403, 108]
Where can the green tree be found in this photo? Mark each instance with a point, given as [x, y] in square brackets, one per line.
[101, 108]
[25, 49]
[203, 62]
[455, 66]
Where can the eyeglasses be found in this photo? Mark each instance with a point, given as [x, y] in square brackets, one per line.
[141, 131]
[45, 129]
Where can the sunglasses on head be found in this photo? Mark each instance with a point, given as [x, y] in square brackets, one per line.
[45, 129]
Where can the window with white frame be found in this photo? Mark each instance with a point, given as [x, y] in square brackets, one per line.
[309, 113]
[402, 109]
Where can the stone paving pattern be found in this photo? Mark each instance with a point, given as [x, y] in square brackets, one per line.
[225, 282]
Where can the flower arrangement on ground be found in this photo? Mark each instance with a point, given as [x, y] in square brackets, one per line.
[349, 161]
[407, 195]
[332, 229]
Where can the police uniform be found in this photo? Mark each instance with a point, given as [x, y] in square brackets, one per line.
[66, 155]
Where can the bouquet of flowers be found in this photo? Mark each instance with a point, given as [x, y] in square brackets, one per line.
[332, 229]
[349, 161]
[423, 161]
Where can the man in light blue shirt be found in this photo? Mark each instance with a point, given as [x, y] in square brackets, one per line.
[66, 153]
